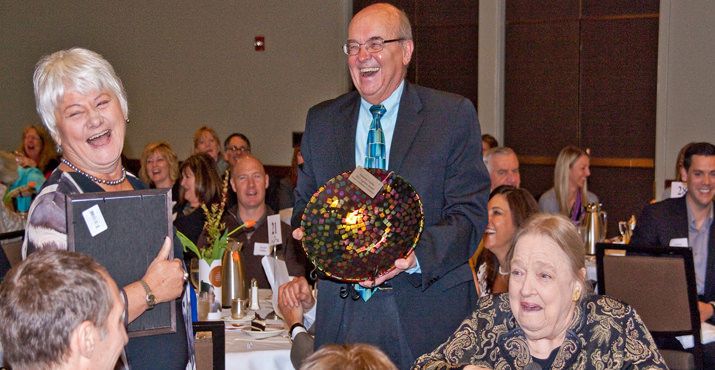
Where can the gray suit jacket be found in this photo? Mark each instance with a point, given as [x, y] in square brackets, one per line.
[436, 146]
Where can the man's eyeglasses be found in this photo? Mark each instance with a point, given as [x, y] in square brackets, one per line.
[234, 148]
[372, 46]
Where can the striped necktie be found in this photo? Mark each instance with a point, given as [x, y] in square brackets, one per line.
[375, 151]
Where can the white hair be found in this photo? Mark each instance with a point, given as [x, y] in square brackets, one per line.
[79, 69]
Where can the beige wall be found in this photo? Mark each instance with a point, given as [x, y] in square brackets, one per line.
[686, 81]
[186, 64]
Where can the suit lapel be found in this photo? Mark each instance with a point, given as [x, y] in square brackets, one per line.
[344, 131]
[710, 270]
[406, 128]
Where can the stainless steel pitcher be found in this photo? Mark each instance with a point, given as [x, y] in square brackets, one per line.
[595, 226]
[233, 273]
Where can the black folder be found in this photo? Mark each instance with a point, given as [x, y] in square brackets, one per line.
[129, 228]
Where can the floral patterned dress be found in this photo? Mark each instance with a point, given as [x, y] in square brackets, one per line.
[604, 333]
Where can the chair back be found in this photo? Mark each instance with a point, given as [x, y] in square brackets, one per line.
[658, 282]
[10, 251]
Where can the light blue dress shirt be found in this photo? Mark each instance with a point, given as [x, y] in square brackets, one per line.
[388, 122]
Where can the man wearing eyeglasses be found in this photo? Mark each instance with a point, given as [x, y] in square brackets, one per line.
[235, 146]
[433, 140]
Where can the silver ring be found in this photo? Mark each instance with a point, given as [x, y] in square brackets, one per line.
[186, 276]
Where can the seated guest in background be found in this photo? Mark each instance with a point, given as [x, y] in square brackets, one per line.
[9, 220]
[206, 141]
[200, 185]
[235, 146]
[508, 208]
[37, 150]
[569, 195]
[83, 105]
[279, 194]
[488, 142]
[249, 181]
[503, 167]
[61, 310]
[160, 168]
[28, 182]
[549, 316]
[688, 221]
[358, 356]
[297, 304]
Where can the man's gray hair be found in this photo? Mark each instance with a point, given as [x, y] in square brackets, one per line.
[500, 150]
[43, 300]
[405, 27]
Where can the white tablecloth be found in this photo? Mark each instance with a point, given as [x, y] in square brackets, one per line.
[247, 353]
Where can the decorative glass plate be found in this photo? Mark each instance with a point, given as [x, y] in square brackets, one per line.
[352, 237]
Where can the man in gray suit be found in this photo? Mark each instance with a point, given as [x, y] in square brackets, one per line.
[433, 140]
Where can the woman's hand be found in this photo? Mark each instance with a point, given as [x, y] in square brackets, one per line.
[24, 161]
[22, 191]
[165, 277]
[475, 367]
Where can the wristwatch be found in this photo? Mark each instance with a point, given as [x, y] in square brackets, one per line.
[150, 299]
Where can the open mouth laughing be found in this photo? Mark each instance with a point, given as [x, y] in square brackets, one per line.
[100, 139]
[368, 71]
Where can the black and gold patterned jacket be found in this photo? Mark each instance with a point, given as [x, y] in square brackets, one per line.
[604, 334]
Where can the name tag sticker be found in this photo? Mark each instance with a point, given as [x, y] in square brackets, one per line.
[679, 242]
[94, 220]
[261, 249]
[365, 181]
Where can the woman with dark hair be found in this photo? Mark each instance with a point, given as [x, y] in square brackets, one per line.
[508, 208]
[200, 184]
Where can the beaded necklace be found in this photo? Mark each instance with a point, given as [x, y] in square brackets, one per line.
[96, 179]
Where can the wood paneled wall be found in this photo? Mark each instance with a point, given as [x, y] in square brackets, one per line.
[445, 33]
[584, 72]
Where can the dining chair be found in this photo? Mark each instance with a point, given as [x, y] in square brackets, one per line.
[11, 251]
[214, 354]
[659, 283]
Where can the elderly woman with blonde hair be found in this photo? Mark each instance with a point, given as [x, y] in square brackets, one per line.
[549, 317]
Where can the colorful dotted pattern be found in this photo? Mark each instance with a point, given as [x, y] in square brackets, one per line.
[352, 237]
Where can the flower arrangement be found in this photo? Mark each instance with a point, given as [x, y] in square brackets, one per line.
[217, 241]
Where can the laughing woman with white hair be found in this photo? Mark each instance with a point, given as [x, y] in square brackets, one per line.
[83, 105]
[549, 318]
